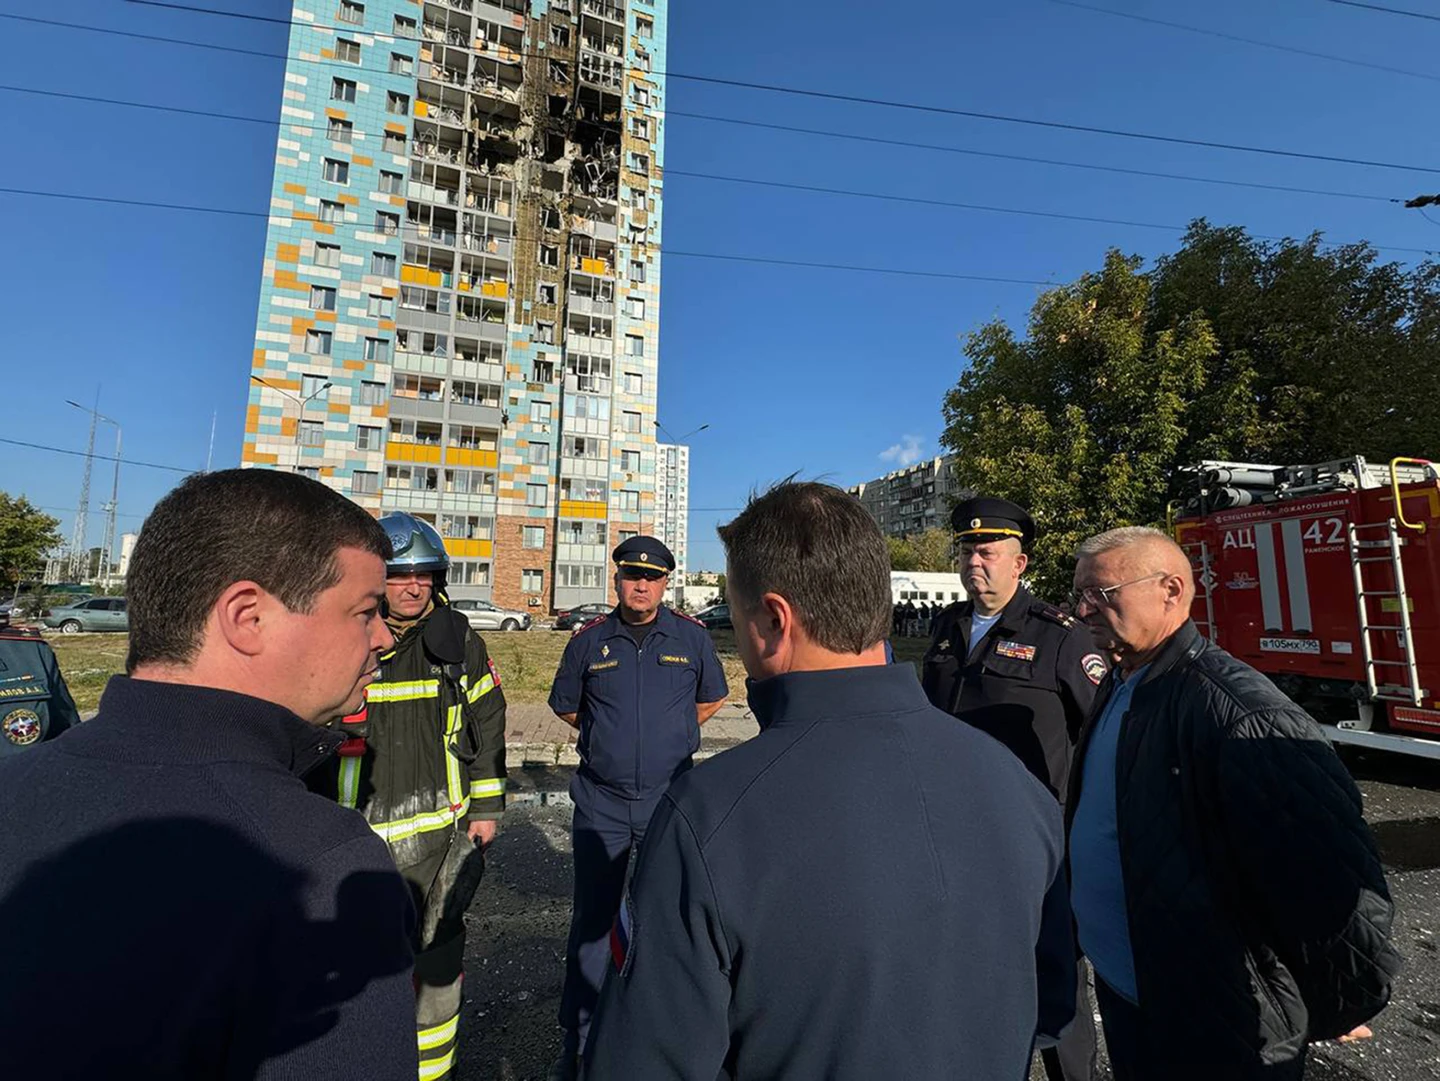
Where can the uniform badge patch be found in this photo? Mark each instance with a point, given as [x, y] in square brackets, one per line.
[1016, 651]
[604, 651]
[602, 666]
[941, 647]
[494, 672]
[673, 658]
[1094, 667]
[21, 726]
[622, 937]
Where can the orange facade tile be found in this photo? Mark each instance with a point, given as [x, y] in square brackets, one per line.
[295, 189]
[387, 324]
[390, 291]
[287, 427]
[350, 200]
[399, 129]
[287, 253]
[361, 160]
[381, 411]
[340, 409]
[397, 200]
[299, 325]
[354, 365]
[325, 317]
[328, 54]
[319, 227]
[337, 114]
[258, 357]
[303, 215]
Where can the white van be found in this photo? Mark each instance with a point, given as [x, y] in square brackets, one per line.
[926, 587]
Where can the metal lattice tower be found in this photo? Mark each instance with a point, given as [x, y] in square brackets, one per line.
[79, 557]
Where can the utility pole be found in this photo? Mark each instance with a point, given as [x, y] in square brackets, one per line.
[78, 555]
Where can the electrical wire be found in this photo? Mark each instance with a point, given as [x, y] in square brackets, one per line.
[1223, 36]
[742, 122]
[904, 272]
[928, 108]
[97, 457]
[1386, 10]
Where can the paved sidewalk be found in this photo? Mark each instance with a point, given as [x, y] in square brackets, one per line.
[536, 737]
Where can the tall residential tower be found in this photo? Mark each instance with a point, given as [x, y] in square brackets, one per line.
[459, 315]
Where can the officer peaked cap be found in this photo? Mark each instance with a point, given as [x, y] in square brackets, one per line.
[644, 553]
[985, 519]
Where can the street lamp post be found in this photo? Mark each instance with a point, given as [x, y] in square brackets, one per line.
[300, 402]
[110, 508]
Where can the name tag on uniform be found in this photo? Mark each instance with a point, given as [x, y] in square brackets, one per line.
[673, 658]
[1016, 651]
[601, 666]
[29, 690]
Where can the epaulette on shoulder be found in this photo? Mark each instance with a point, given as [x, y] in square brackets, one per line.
[689, 618]
[1054, 615]
[593, 623]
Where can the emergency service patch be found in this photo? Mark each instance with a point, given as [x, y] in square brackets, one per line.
[673, 658]
[494, 674]
[1093, 666]
[1016, 651]
[622, 937]
[600, 666]
[21, 726]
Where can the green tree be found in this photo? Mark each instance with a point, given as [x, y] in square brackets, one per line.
[26, 535]
[902, 554]
[1228, 348]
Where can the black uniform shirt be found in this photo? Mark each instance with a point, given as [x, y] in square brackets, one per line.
[1029, 683]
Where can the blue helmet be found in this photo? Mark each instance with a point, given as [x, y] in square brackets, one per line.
[417, 545]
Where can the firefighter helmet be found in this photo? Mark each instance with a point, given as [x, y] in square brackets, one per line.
[417, 545]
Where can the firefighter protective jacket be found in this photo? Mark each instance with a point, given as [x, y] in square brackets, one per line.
[433, 750]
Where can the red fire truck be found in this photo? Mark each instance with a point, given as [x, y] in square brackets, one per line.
[1327, 579]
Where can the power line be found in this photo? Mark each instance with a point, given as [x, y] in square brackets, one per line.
[1387, 11]
[904, 272]
[932, 109]
[994, 209]
[1061, 163]
[99, 457]
[1021, 157]
[1247, 41]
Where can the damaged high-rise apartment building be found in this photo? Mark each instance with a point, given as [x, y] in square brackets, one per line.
[459, 313]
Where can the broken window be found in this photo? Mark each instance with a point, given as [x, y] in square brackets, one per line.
[550, 218]
[559, 35]
[545, 293]
[645, 26]
[549, 255]
[545, 334]
[559, 105]
[559, 73]
[640, 127]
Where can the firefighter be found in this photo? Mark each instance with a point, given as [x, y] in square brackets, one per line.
[638, 684]
[1022, 671]
[35, 704]
[424, 762]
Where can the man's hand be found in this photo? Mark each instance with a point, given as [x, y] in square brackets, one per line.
[1359, 1032]
[482, 832]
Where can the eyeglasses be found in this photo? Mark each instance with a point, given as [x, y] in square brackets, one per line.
[1099, 597]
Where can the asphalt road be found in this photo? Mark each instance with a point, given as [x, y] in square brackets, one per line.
[516, 950]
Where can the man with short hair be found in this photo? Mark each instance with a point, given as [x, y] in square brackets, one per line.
[1225, 886]
[1022, 671]
[866, 889]
[173, 903]
[638, 684]
[424, 762]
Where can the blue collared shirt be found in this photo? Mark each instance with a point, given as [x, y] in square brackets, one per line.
[1097, 880]
[636, 703]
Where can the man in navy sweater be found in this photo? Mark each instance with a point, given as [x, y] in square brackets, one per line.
[174, 904]
[865, 889]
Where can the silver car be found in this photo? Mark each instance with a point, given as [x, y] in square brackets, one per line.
[96, 614]
[484, 616]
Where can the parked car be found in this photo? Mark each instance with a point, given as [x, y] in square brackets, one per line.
[96, 614]
[716, 617]
[484, 616]
[580, 615]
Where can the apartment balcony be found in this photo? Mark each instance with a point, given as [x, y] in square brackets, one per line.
[440, 113]
[584, 343]
[428, 151]
[599, 268]
[579, 305]
[430, 234]
[606, 72]
[599, 230]
[601, 9]
[499, 246]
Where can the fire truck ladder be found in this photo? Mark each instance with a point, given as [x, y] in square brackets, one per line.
[1199, 555]
[1390, 545]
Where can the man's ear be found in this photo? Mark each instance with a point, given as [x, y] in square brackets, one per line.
[241, 614]
[1021, 562]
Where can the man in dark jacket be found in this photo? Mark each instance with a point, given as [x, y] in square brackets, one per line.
[424, 762]
[864, 890]
[1225, 886]
[35, 704]
[173, 903]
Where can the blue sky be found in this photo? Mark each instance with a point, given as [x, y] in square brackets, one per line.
[829, 373]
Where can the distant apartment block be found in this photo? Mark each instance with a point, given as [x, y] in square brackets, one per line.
[672, 506]
[913, 499]
[459, 312]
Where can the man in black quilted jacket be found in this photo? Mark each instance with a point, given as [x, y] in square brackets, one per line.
[1224, 884]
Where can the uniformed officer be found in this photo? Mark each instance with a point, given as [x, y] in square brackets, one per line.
[1020, 670]
[35, 704]
[424, 762]
[865, 889]
[638, 684]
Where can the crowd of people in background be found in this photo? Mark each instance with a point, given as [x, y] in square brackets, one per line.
[911, 620]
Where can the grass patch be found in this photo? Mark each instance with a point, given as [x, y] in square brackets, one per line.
[526, 659]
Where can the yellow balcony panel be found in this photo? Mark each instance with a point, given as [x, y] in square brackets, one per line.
[422, 108]
[495, 289]
[463, 286]
[594, 266]
[579, 508]
[434, 278]
[468, 549]
[411, 273]
[485, 459]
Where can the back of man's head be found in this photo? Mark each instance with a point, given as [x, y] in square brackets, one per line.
[279, 530]
[817, 547]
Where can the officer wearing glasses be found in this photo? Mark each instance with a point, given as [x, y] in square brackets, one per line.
[1022, 671]
[638, 684]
